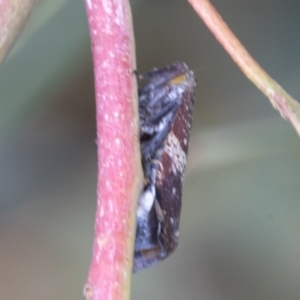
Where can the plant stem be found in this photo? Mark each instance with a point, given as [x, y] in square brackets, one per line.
[288, 107]
[13, 15]
[119, 162]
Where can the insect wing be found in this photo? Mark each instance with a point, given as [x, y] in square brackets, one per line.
[171, 171]
[166, 106]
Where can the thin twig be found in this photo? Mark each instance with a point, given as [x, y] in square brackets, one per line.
[288, 107]
[13, 15]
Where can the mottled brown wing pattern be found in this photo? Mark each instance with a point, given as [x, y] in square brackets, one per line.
[165, 105]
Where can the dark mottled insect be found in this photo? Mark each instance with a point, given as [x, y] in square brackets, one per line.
[165, 107]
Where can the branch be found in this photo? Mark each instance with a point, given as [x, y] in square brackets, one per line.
[13, 15]
[288, 107]
[119, 162]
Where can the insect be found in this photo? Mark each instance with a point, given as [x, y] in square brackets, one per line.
[166, 104]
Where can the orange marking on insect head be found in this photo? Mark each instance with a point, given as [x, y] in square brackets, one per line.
[179, 79]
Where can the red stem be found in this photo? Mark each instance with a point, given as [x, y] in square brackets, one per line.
[120, 174]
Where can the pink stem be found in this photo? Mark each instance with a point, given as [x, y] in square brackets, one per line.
[119, 162]
[288, 107]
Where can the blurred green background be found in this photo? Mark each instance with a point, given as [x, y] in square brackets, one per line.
[240, 225]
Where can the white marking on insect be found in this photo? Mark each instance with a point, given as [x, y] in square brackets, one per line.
[174, 150]
[146, 202]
